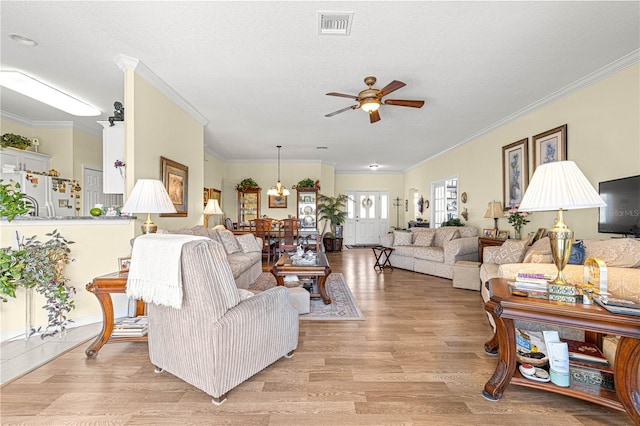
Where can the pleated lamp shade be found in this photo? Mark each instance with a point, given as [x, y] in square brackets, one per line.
[559, 185]
[149, 196]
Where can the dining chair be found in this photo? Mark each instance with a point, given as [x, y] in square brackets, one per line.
[288, 237]
[262, 228]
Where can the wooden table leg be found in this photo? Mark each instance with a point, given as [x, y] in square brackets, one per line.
[322, 290]
[506, 367]
[491, 347]
[107, 324]
[626, 376]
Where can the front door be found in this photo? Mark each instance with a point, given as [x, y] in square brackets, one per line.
[367, 217]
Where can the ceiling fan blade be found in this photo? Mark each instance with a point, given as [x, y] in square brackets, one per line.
[331, 114]
[374, 116]
[400, 102]
[391, 87]
[342, 95]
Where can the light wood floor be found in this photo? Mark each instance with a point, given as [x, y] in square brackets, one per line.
[416, 359]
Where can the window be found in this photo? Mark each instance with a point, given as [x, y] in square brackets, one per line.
[445, 201]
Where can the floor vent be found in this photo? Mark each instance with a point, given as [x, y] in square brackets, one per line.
[334, 23]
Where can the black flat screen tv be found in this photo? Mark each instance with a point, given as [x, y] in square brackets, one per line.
[621, 215]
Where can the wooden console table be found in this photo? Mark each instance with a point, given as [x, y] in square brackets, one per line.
[103, 287]
[505, 308]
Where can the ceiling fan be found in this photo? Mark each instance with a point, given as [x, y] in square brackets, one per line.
[371, 99]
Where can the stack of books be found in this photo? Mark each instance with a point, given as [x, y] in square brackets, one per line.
[130, 327]
[588, 366]
[531, 285]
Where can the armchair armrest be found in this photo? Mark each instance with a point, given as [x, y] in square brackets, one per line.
[489, 254]
[460, 249]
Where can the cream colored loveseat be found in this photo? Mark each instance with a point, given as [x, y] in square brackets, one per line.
[432, 251]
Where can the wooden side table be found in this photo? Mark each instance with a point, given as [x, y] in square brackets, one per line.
[103, 287]
[382, 257]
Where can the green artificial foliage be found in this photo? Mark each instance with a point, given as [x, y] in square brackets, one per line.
[332, 209]
[245, 184]
[40, 265]
[15, 141]
[12, 203]
[307, 183]
[453, 222]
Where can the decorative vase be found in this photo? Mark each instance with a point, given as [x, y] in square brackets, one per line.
[518, 237]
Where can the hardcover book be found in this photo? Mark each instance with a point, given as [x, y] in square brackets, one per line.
[585, 352]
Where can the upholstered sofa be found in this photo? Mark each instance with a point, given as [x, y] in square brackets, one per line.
[621, 255]
[244, 252]
[432, 251]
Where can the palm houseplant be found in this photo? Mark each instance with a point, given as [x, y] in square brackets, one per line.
[332, 211]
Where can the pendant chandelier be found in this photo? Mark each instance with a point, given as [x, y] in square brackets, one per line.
[278, 189]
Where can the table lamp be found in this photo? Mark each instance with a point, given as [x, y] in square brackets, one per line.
[560, 186]
[212, 208]
[494, 211]
[149, 196]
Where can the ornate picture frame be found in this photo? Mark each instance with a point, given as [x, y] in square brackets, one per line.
[550, 146]
[175, 177]
[277, 201]
[515, 172]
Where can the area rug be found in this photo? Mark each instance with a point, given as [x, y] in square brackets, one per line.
[343, 306]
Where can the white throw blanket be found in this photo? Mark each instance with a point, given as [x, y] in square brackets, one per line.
[155, 272]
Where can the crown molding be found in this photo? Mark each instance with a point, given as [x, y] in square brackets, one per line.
[125, 62]
[49, 124]
[589, 79]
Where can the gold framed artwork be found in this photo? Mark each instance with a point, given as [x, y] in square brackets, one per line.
[175, 177]
[515, 172]
[489, 233]
[212, 194]
[550, 146]
[540, 233]
[277, 202]
[501, 234]
[124, 263]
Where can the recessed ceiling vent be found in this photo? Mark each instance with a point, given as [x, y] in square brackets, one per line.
[334, 23]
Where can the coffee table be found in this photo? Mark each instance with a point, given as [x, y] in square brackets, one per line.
[319, 269]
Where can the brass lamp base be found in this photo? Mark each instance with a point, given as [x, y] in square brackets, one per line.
[148, 227]
[561, 238]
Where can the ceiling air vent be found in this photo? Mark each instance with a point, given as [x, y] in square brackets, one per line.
[334, 23]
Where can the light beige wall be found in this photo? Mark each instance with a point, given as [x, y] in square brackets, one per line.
[87, 152]
[603, 139]
[156, 127]
[95, 252]
[266, 175]
[10, 126]
[213, 172]
[58, 143]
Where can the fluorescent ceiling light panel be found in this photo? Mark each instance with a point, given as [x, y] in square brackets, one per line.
[32, 88]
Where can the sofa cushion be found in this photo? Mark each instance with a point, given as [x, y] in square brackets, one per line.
[402, 238]
[248, 243]
[444, 234]
[434, 254]
[229, 241]
[467, 231]
[620, 252]
[424, 239]
[406, 251]
[533, 256]
[511, 251]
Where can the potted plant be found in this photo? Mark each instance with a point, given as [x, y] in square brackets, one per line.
[454, 221]
[245, 184]
[332, 210]
[15, 141]
[305, 184]
[12, 203]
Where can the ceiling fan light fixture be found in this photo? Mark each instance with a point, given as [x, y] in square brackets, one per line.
[370, 105]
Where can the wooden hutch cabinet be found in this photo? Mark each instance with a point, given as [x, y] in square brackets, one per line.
[307, 207]
[248, 206]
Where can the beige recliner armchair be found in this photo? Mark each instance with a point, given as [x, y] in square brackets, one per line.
[216, 341]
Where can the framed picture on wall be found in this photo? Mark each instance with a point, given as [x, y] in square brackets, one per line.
[216, 194]
[515, 172]
[277, 202]
[175, 177]
[550, 146]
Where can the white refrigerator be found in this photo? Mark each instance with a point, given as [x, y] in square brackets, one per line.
[53, 195]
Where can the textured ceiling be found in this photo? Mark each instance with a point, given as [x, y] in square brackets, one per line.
[259, 71]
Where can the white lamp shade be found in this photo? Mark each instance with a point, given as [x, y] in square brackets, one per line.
[559, 185]
[213, 207]
[149, 196]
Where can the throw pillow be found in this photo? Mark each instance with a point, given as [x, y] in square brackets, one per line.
[424, 239]
[577, 254]
[511, 251]
[445, 234]
[248, 243]
[401, 238]
[533, 256]
[229, 241]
